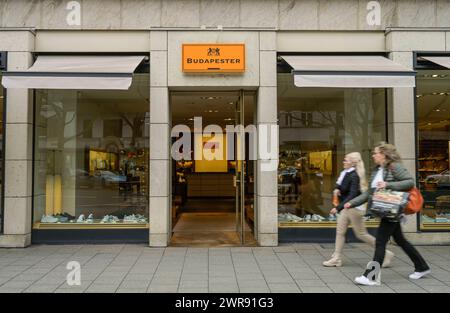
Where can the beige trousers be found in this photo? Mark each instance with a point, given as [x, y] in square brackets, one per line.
[355, 218]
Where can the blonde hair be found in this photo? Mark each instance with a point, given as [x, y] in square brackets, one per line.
[390, 152]
[357, 162]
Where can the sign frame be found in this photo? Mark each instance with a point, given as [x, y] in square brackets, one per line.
[216, 70]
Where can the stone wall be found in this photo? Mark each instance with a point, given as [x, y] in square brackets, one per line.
[274, 14]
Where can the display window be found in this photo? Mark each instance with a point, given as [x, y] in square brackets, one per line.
[91, 163]
[433, 128]
[317, 128]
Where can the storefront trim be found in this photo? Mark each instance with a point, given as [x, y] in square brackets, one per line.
[91, 236]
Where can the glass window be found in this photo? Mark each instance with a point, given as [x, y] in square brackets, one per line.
[433, 114]
[91, 157]
[318, 127]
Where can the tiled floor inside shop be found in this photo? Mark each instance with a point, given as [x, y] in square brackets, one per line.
[138, 268]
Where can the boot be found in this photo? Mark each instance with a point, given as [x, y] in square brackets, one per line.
[389, 256]
[335, 261]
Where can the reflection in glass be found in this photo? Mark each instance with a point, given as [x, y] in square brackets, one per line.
[433, 110]
[318, 127]
[91, 157]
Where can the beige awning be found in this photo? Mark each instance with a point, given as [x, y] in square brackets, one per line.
[75, 72]
[442, 61]
[349, 72]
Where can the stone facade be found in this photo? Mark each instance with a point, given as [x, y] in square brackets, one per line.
[273, 14]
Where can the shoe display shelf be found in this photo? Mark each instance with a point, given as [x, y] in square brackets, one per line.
[95, 225]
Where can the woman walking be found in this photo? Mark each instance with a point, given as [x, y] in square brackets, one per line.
[351, 182]
[390, 174]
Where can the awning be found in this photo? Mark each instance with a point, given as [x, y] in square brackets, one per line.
[442, 61]
[75, 72]
[349, 72]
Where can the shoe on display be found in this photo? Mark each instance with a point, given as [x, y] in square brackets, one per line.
[90, 219]
[105, 219]
[81, 219]
[332, 218]
[418, 275]
[363, 280]
[308, 218]
[317, 217]
[49, 219]
[333, 262]
[389, 256]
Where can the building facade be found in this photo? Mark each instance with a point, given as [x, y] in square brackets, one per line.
[96, 94]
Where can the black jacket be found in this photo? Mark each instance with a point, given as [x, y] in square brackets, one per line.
[349, 189]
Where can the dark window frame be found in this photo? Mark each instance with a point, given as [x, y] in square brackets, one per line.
[3, 67]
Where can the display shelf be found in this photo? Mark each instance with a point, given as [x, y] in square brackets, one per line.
[325, 224]
[120, 225]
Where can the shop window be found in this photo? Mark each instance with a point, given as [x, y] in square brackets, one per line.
[317, 128]
[92, 158]
[433, 125]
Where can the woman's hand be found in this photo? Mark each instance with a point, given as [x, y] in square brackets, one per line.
[381, 185]
[333, 211]
[347, 205]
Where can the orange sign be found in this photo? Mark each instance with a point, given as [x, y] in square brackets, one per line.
[213, 58]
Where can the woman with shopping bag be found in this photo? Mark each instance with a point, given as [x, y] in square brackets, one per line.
[351, 182]
[389, 174]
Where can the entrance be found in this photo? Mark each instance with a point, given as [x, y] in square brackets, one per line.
[213, 176]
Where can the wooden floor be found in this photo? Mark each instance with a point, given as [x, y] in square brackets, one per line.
[209, 230]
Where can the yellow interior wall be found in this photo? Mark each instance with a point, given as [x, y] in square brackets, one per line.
[215, 166]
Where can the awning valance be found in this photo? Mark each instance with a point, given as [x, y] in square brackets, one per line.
[75, 72]
[442, 61]
[349, 72]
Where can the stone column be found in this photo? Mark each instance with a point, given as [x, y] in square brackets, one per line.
[18, 145]
[160, 193]
[267, 190]
[401, 125]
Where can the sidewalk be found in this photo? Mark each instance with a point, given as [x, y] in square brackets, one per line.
[138, 268]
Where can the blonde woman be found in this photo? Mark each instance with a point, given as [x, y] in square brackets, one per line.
[350, 184]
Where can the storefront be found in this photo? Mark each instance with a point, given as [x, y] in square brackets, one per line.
[95, 108]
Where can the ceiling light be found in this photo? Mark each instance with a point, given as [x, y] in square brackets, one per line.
[437, 110]
[434, 75]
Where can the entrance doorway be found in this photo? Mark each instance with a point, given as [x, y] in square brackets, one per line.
[213, 177]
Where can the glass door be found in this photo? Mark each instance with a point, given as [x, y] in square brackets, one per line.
[239, 157]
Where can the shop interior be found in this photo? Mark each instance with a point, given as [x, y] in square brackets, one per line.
[204, 202]
[318, 127]
[433, 110]
[91, 158]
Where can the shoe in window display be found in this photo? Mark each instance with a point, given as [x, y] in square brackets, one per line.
[90, 219]
[49, 219]
[332, 218]
[105, 219]
[427, 219]
[317, 218]
[81, 218]
[308, 218]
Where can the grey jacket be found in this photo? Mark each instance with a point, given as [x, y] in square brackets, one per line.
[395, 175]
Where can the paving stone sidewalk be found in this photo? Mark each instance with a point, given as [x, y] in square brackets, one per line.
[140, 269]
